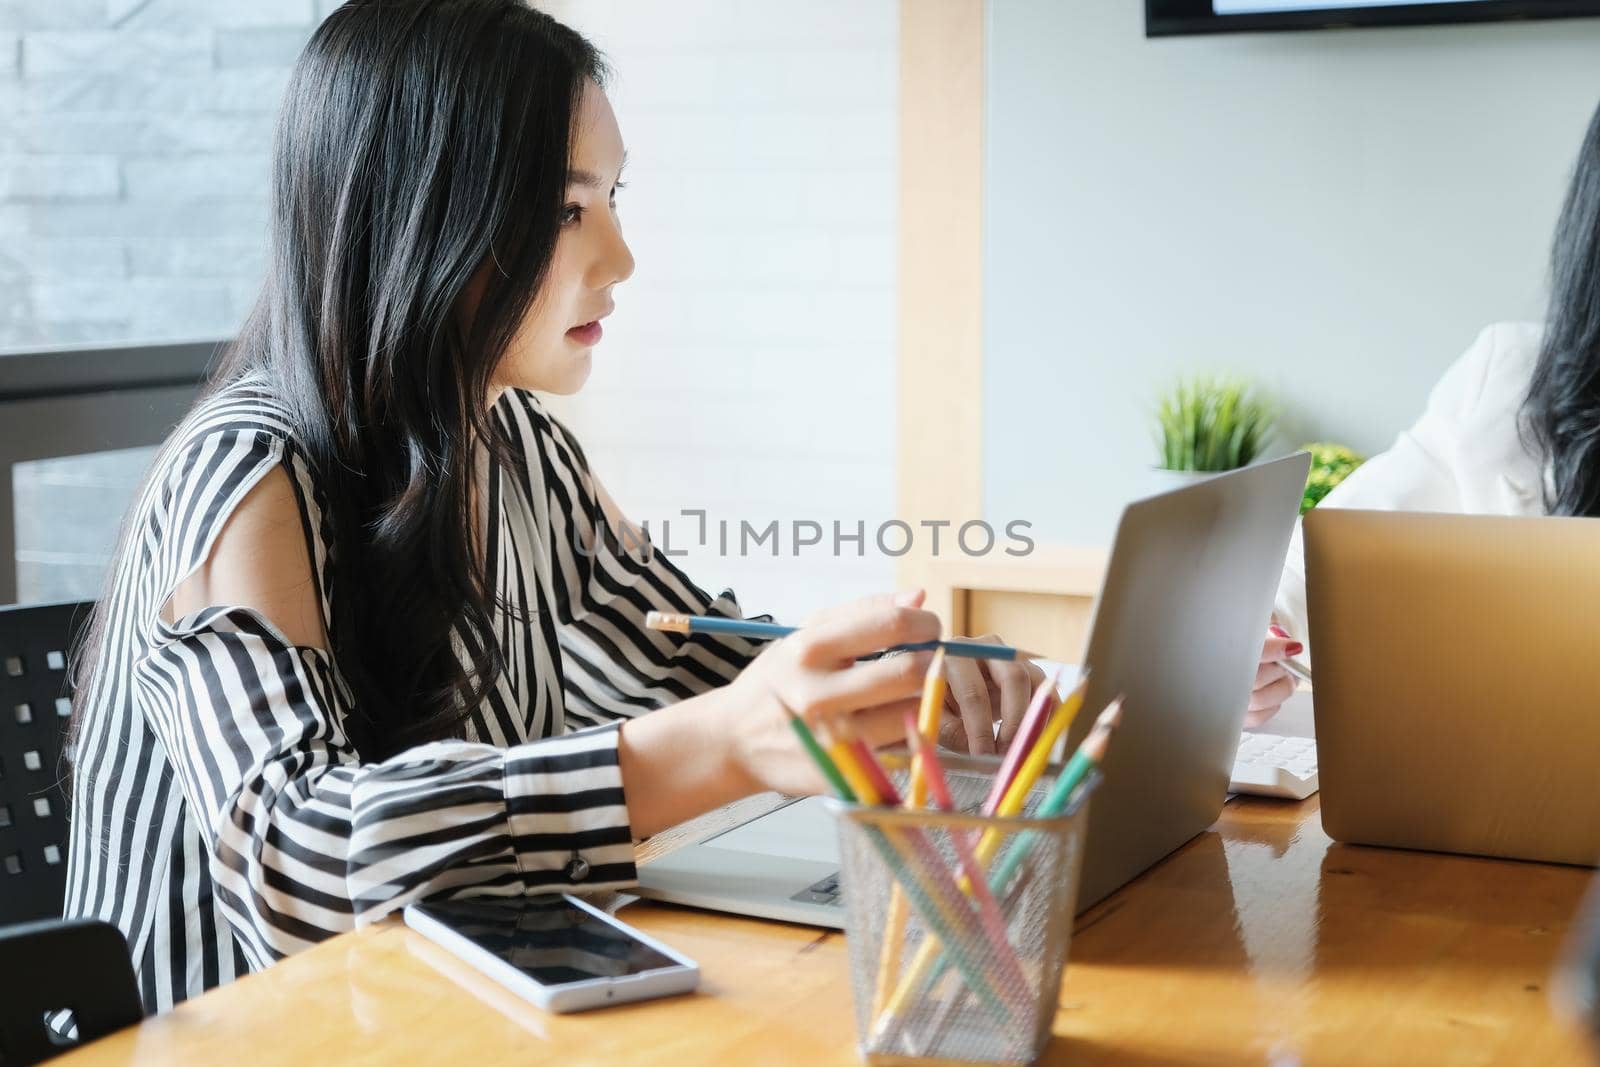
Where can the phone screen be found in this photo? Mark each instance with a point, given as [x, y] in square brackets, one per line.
[548, 939]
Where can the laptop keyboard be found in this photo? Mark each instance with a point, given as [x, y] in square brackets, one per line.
[1271, 766]
[827, 892]
[824, 892]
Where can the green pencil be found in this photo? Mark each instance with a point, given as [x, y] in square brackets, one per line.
[1085, 761]
[889, 852]
[829, 769]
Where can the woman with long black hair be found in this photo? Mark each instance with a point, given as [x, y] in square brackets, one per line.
[371, 589]
[1513, 428]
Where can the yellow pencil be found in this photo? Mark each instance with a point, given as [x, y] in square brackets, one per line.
[1017, 794]
[1010, 805]
[916, 797]
[860, 784]
[941, 899]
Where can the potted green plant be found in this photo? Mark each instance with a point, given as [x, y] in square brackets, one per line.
[1208, 424]
[1330, 465]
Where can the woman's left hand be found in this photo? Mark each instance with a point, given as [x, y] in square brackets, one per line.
[982, 692]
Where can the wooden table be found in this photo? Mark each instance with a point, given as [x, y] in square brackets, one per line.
[1259, 942]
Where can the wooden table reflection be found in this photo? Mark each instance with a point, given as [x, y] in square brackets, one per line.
[1259, 942]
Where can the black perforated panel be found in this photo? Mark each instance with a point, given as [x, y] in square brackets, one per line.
[34, 714]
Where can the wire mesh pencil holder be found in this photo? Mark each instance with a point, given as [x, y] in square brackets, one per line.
[943, 966]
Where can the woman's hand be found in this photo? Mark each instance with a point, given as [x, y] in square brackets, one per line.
[982, 692]
[814, 674]
[1274, 682]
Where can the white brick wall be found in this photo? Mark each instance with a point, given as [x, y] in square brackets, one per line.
[83, 177]
[265, 12]
[71, 52]
[749, 368]
[133, 163]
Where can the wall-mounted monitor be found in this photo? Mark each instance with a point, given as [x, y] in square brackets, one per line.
[1164, 18]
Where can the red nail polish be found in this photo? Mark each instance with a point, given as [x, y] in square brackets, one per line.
[1294, 649]
[1278, 631]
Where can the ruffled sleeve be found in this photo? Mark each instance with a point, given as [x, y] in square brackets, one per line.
[605, 581]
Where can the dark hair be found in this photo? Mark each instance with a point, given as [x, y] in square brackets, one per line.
[418, 141]
[1561, 415]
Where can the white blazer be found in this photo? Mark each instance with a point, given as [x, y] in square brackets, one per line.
[1465, 454]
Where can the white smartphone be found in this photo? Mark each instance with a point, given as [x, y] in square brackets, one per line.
[556, 951]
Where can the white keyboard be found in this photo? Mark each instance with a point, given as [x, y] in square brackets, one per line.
[1272, 766]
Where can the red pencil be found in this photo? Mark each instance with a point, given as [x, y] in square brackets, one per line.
[870, 766]
[994, 923]
[932, 769]
[1045, 699]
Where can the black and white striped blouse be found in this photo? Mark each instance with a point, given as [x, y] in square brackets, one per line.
[220, 815]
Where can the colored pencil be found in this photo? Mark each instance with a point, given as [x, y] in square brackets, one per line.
[1066, 793]
[1038, 755]
[894, 928]
[934, 896]
[927, 725]
[771, 631]
[942, 920]
[1010, 805]
[1084, 762]
[948, 1004]
[929, 766]
[893, 855]
[888, 795]
[860, 784]
[994, 923]
[1045, 699]
[829, 769]
[1081, 794]
[919, 853]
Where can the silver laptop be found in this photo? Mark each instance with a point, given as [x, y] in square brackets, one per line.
[1177, 630]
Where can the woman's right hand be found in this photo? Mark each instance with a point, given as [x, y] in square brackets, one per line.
[1274, 683]
[814, 674]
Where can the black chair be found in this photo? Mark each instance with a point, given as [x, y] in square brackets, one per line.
[80, 965]
[35, 703]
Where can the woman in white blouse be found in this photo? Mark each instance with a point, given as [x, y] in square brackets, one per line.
[1513, 428]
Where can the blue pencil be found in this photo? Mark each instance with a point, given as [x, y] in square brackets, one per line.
[707, 624]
